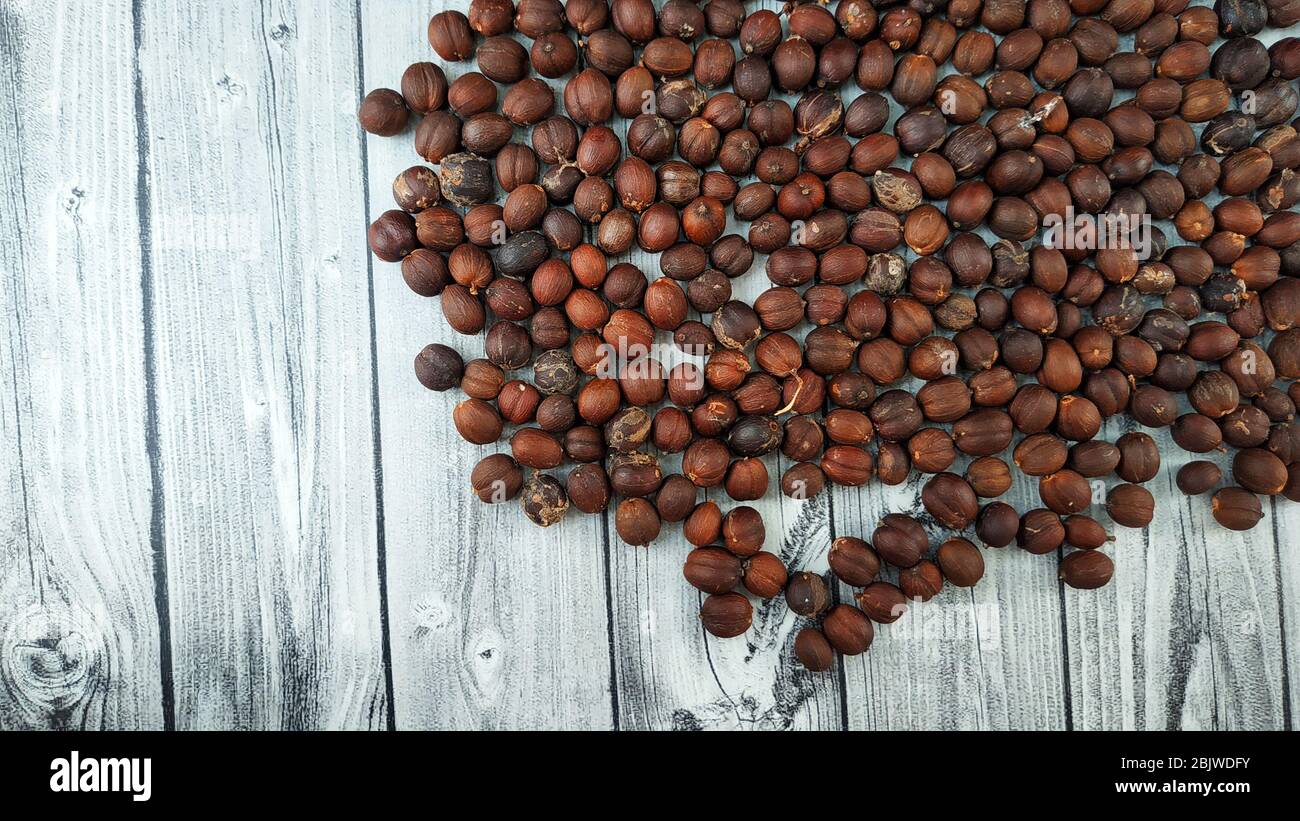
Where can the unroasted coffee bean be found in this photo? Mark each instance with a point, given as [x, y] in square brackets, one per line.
[951, 500]
[1195, 478]
[900, 540]
[885, 603]
[853, 561]
[807, 594]
[1086, 569]
[1130, 505]
[544, 500]
[961, 562]
[726, 615]
[1236, 508]
[1041, 531]
[810, 645]
[848, 630]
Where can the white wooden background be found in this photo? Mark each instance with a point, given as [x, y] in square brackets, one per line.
[229, 504]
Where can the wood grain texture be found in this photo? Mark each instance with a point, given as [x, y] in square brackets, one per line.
[495, 623]
[1191, 633]
[984, 658]
[263, 363]
[1189, 636]
[207, 406]
[79, 633]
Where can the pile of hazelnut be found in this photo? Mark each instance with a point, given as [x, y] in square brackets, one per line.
[894, 336]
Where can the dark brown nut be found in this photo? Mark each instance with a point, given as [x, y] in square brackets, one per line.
[853, 561]
[515, 165]
[466, 180]
[743, 532]
[1139, 457]
[462, 310]
[589, 98]
[848, 630]
[729, 614]
[518, 401]
[588, 488]
[746, 480]
[1195, 478]
[496, 478]
[931, 450]
[482, 380]
[667, 57]
[736, 325]
[847, 465]
[491, 17]
[1065, 492]
[704, 525]
[544, 500]
[1260, 471]
[1214, 394]
[715, 60]
[439, 368]
[950, 500]
[1041, 532]
[508, 345]
[535, 448]
[961, 562]
[637, 522]
[712, 570]
[1041, 454]
[554, 54]
[450, 35]
[424, 87]
[584, 444]
[438, 134]
[533, 18]
[393, 236]
[1195, 433]
[1130, 505]
[1085, 533]
[983, 432]
[810, 646]
[896, 415]
[1236, 508]
[998, 525]
[1086, 569]
[989, 477]
[883, 602]
[803, 481]
[921, 582]
[765, 575]
[900, 540]
[807, 594]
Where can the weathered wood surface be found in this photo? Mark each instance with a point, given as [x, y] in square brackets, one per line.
[232, 505]
[263, 361]
[493, 622]
[79, 627]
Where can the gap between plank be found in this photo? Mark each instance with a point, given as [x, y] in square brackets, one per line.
[381, 547]
[157, 509]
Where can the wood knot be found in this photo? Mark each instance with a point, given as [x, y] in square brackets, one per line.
[52, 661]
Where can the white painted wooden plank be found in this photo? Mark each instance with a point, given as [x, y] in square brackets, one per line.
[1286, 537]
[79, 632]
[984, 658]
[1131, 644]
[263, 363]
[495, 623]
[1190, 637]
[1190, 634]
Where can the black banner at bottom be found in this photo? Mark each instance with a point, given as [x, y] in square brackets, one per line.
[147, 771]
